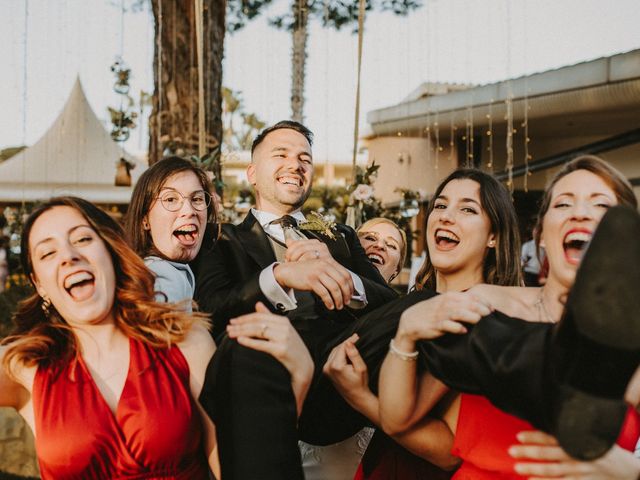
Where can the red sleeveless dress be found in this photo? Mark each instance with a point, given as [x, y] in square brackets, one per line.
[484, 433]
[155, 434]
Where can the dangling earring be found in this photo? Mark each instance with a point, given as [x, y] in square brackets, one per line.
[45, 305]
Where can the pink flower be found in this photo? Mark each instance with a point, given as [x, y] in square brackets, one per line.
[362, 192]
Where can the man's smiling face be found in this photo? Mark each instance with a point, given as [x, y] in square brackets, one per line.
[281, 171]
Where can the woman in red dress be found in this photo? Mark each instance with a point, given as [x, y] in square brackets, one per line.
[105, 377]
[572, 206]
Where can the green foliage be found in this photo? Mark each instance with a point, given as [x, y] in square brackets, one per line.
[357, 203]
[239, 128]
[211, 162]
[332, 13]
[239, 12]
[19, 289]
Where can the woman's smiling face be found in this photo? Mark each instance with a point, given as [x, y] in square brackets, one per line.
[578, 202]
[178, 234]
[458, 229]
[382, 243]
[72, 266]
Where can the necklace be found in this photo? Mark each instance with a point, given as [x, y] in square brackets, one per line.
[543, 313]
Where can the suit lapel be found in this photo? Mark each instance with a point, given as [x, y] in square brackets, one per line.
[255, 241]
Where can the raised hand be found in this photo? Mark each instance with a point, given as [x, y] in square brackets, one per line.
[310, 249]
[349, 374]
[445, 313]
[325, 277]
[274, 334]
[541, 458]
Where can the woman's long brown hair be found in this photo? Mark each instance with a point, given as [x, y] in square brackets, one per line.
[47, 340]
[502, 263]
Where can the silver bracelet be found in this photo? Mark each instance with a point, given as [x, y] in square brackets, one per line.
[406, 356]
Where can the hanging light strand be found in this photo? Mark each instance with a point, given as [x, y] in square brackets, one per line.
[438, 148]
[25, 41]
[509, 105]
[452, 136]
[361, 13]
[199, 10]
[159, 74]
[490, 136]
[525, 123]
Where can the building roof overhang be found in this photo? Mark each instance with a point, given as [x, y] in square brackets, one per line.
[596, 97]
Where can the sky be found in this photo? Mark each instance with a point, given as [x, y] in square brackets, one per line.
[45, 44]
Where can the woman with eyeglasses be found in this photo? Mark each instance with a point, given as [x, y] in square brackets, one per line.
[170, 208]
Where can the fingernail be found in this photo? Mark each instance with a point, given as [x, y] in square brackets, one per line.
[520, 436]
[519, 468]
[513, 451]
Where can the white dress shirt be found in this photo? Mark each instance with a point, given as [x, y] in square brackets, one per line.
[285, 300]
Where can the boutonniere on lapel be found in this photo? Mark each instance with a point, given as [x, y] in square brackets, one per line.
[317, 222]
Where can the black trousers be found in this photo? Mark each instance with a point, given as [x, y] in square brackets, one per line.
[249, 397]
[505, 359]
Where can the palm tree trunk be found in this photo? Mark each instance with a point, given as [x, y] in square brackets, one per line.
[173, 124]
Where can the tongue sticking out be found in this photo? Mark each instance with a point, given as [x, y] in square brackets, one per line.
[446, 243]
[82, 291]
[186, 236]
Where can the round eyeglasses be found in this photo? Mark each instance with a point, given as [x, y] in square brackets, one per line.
[173, 201]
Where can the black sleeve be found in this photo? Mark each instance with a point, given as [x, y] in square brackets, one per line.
[225, 285]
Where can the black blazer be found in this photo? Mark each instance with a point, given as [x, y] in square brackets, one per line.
[227, 273]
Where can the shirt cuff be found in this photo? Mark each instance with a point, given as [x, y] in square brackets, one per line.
[282, 300]
[359, 297]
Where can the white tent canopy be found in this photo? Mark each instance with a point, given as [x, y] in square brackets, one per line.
[76, 156]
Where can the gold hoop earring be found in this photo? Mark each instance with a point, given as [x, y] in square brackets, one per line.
[46, 305]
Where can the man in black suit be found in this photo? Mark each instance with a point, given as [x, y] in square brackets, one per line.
[322, 281]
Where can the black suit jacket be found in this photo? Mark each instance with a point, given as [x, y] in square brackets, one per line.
[227, 274]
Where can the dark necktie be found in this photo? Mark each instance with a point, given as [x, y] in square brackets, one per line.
[286, 221]
[289, 227]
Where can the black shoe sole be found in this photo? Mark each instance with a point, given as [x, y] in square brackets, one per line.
[597, 343]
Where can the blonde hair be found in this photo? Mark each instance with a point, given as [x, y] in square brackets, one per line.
[369, 224]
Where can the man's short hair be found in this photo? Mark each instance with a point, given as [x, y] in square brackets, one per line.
[289, 124]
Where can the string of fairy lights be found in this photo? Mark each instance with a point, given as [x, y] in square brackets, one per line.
[466, 119]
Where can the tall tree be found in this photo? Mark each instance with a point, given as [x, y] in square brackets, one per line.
[332, 13]
[173, 124]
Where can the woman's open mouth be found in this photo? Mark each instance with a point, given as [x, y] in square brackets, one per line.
[376, 259]
[575, 244]
[80, 285]
[446, 240]
[187, 235]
